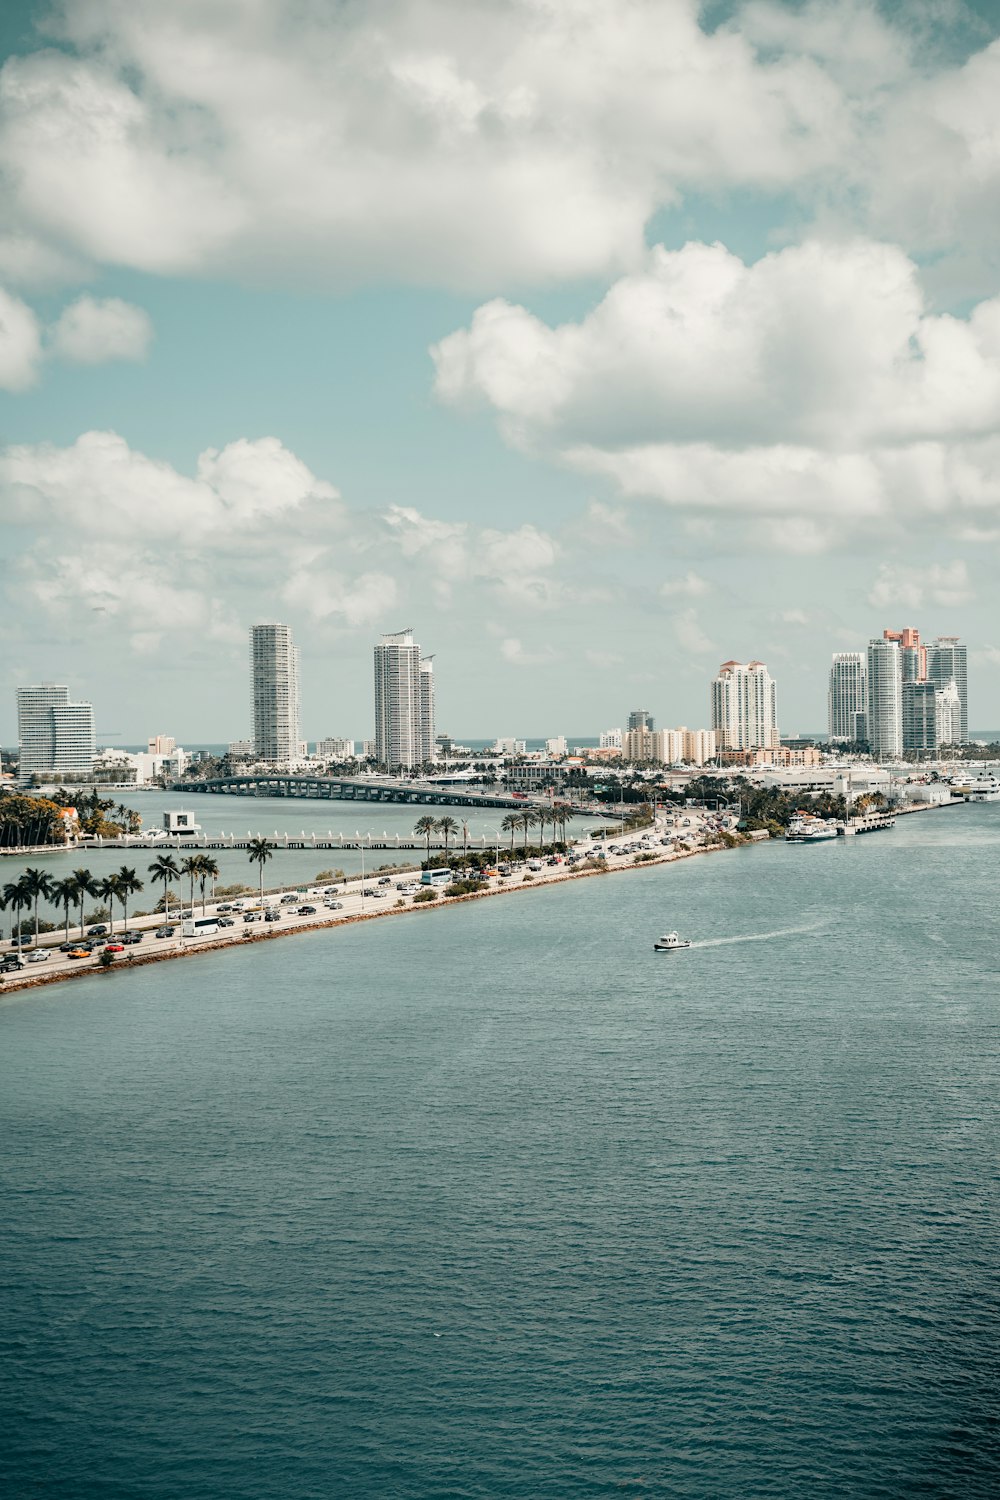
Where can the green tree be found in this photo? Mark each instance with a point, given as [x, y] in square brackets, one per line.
[164, 868]
[191, 866]
[38, 884]
[63, 893]
[446, 826]
[86, 886]
[259, 851]
[107, 889]
[526, 821]
[208, 870]
[129, 884]
[511, 824]
[423, 828]
[17, 896]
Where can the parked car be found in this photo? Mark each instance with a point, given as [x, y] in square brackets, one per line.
[307, 911]
[165, 932]
[227, 922]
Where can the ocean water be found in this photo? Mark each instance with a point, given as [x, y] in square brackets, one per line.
[495, 1202]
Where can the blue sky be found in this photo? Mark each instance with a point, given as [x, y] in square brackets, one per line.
[598, 342]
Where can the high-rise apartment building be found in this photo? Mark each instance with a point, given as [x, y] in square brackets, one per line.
[56, 736]
[920, 717]
[847, 699]
[274, 668]
[641, 718]
[744, 707]
[947, 662]
[949, 715]
[885, 699]
[912, 655]
[428, 734]
[611, 739]
[404, 702]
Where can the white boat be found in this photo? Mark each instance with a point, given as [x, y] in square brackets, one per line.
[985, 789]
[807, 829]
[670, 943]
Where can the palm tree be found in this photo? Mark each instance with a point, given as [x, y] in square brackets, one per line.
[465, 837]
[165, 868]
[191, 866]
[541, 818]
[108, 890]
[86, 886]
[208, 869]
[259, 852]
[63, 893]
[423, 828]
[128, 885]
[511, 824]
[447, 826]
[527, 820]
[38, 884]
[17, 896]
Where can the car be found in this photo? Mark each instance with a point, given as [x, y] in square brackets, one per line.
[369, 890]
[187, 913]
[224, 907]
[226, 922]
[272, 916]
[129, 939]
[288, 900]
[384, 880]
[253, 916]
[10, 963]
[115, 948]
[165, 932]
[39, 956]
[80, 953]
[98, 931]
[306, 911]
[334, 905]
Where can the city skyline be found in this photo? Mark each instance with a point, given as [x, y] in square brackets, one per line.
[447, 406]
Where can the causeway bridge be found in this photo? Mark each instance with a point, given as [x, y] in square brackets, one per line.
[347, 789]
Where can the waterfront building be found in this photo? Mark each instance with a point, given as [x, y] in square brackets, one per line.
[949, 715]
[847, 698]
[920, 717]
[56, 736]
[611, 739]
[642, 744]
[885, 699]
[641, 718]
[428, 734]
[912, 655]
[335, 749]
[697, 745]
[556, 746]
[161, 744]
[274, 665]
[503, 746]
[947, 662]
[398, 711]
[744, 707]
[240, 749]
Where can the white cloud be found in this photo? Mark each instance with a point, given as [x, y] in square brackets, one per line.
[517, 655]
[20, 344]
[603, 660]
[92, 331]
[944, 584]
[689, 634]
[359, 601]
[793, 617]
[691, 586]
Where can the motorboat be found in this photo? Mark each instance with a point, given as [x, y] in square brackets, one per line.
[670, 943]
[985, 788]
[807, 829]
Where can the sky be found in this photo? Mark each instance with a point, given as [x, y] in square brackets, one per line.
[597, 341]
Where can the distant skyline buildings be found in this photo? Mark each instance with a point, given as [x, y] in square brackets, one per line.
[847, 697]
[947, 661]
[917, 694]
[55, 735]
[744, 707]
[404, 702]
[274, 669]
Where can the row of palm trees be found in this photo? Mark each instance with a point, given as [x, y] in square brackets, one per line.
[73, 890]
[519, 822]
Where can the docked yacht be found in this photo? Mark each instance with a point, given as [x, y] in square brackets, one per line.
[670, 943]
[808, 829]
[985, 789]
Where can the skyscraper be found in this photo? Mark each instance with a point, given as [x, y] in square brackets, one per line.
[274, 667]
[641, 718]
[56, 736]
[399, 712]
[885, 699]
[920, 717]
[847, 699]
[912, 655]
[744, 707]
[947, 662]
[428, 738]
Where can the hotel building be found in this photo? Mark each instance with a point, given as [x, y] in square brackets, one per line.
[56, 736]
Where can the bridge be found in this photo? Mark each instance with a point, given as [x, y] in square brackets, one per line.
[343, 789]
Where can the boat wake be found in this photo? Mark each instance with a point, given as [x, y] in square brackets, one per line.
[759, 937]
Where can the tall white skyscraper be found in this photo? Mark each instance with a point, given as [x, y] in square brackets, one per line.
[399, 711]
[274, 667]
[885, 699]
[847, 699]
[428, 735]
[744, 707]
[56, 736]
[947, 662]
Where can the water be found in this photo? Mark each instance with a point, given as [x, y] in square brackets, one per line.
[497, 1202]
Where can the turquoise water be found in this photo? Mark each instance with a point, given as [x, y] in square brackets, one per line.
[496, 1202]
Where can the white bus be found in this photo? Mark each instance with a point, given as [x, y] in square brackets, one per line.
[200, 926]
[437, 877]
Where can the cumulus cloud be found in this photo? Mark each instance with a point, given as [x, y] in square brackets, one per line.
[20, 344]
[946, 584]
[517, 655]
[689, 634]
[93, 331]
[691, 586]
[813, 388]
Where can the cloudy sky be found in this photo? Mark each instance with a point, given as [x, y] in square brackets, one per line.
[597, 340]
